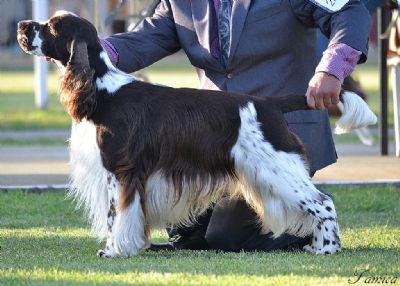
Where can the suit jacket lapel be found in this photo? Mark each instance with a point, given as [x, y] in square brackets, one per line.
[239, 13]
[201, 15]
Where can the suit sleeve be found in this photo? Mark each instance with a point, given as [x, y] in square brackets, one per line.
[154, 39]
[350, 25]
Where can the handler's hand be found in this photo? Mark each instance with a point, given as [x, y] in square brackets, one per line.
[323, 91]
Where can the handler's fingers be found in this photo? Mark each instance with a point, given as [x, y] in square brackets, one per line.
[327, 101]
[336, 99]
[319, 101]
[310, 99]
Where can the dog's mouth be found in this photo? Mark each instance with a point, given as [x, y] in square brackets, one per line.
[24, 42]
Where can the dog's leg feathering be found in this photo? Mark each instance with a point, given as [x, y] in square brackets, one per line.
[113, 192]
[277, 185]
[126, 226]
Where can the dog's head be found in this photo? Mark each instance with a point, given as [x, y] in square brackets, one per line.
[59, 38]
[70, 42]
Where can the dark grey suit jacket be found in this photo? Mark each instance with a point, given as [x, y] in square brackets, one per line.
[272, 52]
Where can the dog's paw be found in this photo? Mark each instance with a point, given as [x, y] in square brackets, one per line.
[106, 253]
[310, 248]
[101, 253]
[327, 249]
[330, 248]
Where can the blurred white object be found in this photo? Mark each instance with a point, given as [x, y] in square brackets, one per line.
[365, 136]
[355, 113]
[40, 13]
[394, 65]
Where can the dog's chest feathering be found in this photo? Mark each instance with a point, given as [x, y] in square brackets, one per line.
[88, 175]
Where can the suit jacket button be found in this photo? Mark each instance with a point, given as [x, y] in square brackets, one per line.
[229, 75]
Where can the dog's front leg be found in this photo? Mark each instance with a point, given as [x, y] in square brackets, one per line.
[126, 227]
[113, 195]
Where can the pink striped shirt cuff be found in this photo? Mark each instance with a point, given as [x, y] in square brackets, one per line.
[110, 50]
[339, 60]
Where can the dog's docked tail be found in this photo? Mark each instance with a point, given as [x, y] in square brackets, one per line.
[355, 111]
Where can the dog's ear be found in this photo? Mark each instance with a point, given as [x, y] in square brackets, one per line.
[78, 88]
[78, 53]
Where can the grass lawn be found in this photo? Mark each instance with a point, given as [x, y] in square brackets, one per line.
[44, 241]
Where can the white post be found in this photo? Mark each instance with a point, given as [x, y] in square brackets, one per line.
[100, 15]
[396, 105]
[40, 13]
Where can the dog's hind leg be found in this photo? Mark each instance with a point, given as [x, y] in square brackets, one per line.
[126, 227]
[326, 237]
[278, 186]
[283, 195]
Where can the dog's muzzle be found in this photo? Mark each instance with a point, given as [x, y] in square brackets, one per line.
[28, 37]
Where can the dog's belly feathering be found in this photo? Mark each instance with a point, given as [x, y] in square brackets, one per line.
[165, 206]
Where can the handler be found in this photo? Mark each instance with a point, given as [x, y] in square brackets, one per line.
[257, 47]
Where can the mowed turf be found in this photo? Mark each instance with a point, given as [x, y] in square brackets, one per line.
[45, 241]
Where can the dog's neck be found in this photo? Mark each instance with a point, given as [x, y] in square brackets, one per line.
[108, 77]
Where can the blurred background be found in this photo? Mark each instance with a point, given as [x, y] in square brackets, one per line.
[27, 123]
[17, 101]
[17, 108]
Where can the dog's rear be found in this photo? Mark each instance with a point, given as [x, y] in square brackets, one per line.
[277, 183]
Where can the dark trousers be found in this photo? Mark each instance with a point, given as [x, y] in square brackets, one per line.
[231, 225]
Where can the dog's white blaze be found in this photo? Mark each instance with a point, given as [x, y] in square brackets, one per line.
[271, 178]
[37, 45]
[165, 207]
[129, 235]
[114, 79]
[88, 176]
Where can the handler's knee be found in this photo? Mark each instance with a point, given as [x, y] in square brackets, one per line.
[222, 239]
[231, 225]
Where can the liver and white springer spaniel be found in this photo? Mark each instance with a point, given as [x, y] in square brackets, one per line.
[145, 156]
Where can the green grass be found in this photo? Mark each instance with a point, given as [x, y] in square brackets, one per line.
[32, 142]
[44, 241]
[17, 109]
